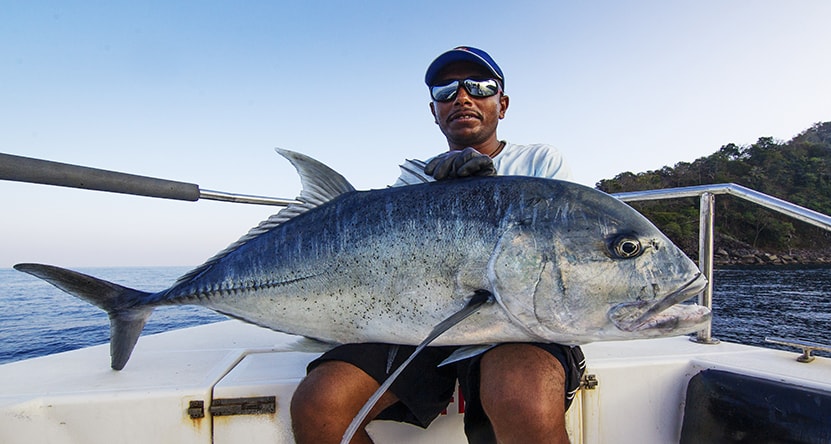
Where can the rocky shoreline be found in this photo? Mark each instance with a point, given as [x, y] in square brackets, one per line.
[750, 257]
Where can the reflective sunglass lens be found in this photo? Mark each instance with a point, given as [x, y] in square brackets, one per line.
[476, 88]
[481, 88]
[443, 93]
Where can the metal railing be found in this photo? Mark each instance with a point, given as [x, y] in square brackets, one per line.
[24, 169]
[706, 194]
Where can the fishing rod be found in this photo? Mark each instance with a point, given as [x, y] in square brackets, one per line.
[46, 172]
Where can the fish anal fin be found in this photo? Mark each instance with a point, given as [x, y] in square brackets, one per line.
[465, 352]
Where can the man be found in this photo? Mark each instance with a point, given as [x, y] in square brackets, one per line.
[514, 393]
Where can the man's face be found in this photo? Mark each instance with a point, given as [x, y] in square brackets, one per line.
[466, 120]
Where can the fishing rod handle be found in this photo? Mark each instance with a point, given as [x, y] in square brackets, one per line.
[25, 169]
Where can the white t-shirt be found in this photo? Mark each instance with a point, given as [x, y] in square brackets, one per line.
[538, 160]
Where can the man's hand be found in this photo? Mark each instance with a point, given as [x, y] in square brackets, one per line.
[456, 164]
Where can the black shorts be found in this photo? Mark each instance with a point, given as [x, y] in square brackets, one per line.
[425, 389]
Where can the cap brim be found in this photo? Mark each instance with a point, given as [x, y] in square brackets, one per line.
[454, 56]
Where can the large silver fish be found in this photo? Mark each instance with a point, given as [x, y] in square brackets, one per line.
[563, 262]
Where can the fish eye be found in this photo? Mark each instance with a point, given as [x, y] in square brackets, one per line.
[626, 246]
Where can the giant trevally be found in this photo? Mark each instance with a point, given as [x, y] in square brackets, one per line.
[562, 262]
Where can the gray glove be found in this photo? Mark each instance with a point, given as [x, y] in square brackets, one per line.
[457, 164]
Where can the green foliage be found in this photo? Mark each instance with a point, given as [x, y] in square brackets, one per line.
[798, 171]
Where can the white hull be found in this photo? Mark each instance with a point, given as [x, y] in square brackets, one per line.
[176, 383]
[75, 397]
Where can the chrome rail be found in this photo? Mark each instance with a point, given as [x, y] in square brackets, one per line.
[706, 194]
[245, 198]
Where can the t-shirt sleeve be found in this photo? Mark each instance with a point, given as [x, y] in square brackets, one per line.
[550, 164]
[532, 160]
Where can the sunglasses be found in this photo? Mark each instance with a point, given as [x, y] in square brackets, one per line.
[474, 87]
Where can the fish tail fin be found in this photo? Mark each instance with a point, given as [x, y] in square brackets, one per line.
[127, 318]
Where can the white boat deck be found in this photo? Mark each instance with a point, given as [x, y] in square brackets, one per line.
[74, 397]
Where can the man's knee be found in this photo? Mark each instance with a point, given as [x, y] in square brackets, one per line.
[506, 403]
[331, 387]
[308, 400]
[522, 381]
[326, 401]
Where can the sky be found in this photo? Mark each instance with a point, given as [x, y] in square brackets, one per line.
[203, 91]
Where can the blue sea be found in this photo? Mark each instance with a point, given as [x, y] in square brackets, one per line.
[37, 319]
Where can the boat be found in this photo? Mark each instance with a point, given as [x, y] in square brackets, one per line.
[232, 382]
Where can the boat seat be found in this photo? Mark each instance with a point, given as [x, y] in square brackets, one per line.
[725, 407]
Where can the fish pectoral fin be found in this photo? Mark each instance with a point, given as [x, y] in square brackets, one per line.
[480, 298]
[468, 351]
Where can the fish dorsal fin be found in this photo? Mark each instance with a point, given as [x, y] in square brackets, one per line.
[320, 184]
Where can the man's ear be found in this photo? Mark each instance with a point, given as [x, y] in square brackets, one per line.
[504, 101]
[433, 112]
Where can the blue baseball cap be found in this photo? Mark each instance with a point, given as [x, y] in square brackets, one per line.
[463, 54]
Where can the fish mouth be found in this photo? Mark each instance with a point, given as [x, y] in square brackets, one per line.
[666, 314]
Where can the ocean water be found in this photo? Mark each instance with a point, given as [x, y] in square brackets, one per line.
[791, 303]
[37, 319]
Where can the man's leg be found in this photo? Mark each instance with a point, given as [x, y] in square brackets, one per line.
[522, 393]
[327, 400]
[341, 380]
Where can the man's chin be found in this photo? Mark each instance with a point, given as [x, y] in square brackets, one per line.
[465, 136]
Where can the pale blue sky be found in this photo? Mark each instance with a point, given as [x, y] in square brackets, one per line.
[203, 91]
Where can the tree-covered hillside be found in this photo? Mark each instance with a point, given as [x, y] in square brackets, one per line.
[798, 171]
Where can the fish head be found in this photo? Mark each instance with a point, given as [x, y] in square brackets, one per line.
[576, 265]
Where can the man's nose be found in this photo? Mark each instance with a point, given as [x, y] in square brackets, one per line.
[462, 96]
